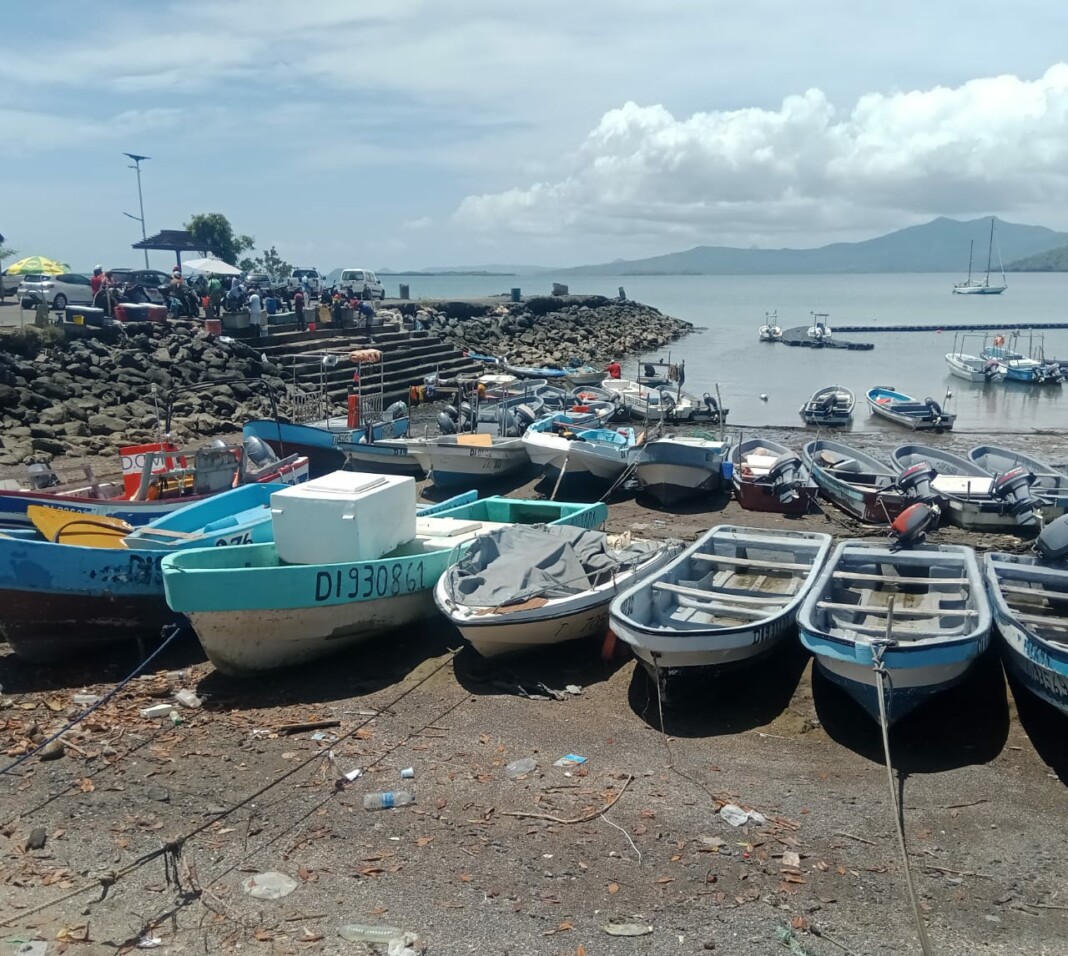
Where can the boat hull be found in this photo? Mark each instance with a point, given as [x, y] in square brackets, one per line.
[506, 637]
[758, 496]
[319, 445]
[671, 483]
[979, 290]
[381, 459]
[467, 465]
[864, 504]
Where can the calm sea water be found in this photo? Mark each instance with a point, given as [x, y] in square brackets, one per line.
[729, 309]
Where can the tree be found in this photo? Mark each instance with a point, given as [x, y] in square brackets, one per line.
[268, 261]
[215, 234]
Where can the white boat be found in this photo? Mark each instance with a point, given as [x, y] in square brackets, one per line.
[972, 368]
[653, 404]
[820, 331]
[727, 600]
[469, 458]
[677, 467]
[770, 331]
[382, 456]
[982, 287]
[831, 405]
[521, 588]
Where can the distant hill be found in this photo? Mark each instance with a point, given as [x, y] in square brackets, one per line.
[1055, 260]
[937, 246]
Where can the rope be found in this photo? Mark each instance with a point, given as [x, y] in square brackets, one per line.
[175, 630]
[623, 477]
[882, 677]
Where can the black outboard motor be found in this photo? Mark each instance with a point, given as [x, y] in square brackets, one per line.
[784, 476]
[909, 529]
[915, 482]
[451, 411]
[1052, 543]
[935, 409]
[524, 416]
[446, 425]
[711, 404]
[1014, 487]
[650, 371]
[395, 411]
[257, 450]
[42, 476]
[827, 405]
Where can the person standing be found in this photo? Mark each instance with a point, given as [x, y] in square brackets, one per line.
[255, 312]
[614, 369]
[298, 307]
[97, 280]
[215, 294]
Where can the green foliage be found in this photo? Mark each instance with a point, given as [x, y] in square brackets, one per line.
[1055, 260]
[268, 261]
[6, 252]
[214, 231]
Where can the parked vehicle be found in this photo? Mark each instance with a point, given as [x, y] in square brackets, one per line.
[305, 277]
[258, 280]
[10, 282]
[146, 278]
[70, 288]
[361, 282]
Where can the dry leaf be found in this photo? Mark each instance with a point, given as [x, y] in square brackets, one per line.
[581, 951]
[305, 874]
[263, 935]
[613, 887]
[464, 877]
[54, 703]
[309, 936]
[799, 922]
[86, 785]
[790, 858]
[666, 879]
[423, 841]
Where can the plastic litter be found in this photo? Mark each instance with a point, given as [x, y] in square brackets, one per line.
[403, 946]
[573, 689]
[737, 817]
[408, 773]
[158, 710]
[35, 947]
[387, 800]
[353, 774]
[519, 767]
[627, 929]
[187, 699]
[269, 886]
[86, 700]
[149, 942]
[569, 760]
[362, 933]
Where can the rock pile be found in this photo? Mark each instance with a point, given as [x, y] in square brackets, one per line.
[92, 395]
[552, 329]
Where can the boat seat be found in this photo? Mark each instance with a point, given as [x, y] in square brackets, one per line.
[882, 609]
[1035, 592]
[724, 610]
[884, 579]
[1061, 623]
[721, 596]
[962, 484]
[750, 562]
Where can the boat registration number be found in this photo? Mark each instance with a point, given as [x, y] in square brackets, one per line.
[244, 538]
[361, 582]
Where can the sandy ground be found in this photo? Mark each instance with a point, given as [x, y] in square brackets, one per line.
[981, 774]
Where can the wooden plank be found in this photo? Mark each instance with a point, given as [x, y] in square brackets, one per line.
[726, 610]
[858, 576]
[477, 438]
[898, 611]
[750, 562]
[1058, 622]
[1035, 592]
[719, 595]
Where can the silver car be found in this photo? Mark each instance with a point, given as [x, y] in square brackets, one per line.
[70, 288]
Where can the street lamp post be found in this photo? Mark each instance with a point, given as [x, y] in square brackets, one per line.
[140, 200]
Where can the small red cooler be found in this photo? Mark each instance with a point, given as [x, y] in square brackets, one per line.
[156, 313]
[213, 326]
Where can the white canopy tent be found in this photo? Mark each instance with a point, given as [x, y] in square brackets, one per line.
[211, 266]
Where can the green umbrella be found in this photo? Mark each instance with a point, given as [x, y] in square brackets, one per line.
[37, 265]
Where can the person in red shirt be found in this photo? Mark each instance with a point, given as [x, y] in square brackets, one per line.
[97, 280]
[614, 369]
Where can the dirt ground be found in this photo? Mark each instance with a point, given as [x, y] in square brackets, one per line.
[637, 837]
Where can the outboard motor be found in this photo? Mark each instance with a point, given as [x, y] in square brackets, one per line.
[667, 400]
[1052, 543]
[915, 482]
[525, 416]
[784, 476]
[42, 476]
[909, 529]
[446, 425]
[711, 404]
[827, 405]
[508, 426]
[257, 451]
[451, 411]
[935, 409]
[650, 371]
[395, 411]
[1014, 487]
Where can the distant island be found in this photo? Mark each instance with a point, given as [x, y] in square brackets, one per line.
[446, 272]
[1055, 260]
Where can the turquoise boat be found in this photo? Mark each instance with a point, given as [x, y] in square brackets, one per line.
[254, 613]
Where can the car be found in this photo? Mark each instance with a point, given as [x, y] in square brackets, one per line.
[309, 277]
[10, 283]
[146, 278]
[361, 282]
[69, 288]
[258, 280]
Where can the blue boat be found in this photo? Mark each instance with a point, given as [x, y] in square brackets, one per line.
[941, 621]
[254, 613]
[534, 371]
[898, 407]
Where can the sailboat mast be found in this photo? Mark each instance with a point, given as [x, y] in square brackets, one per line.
[989, 250]
[971, 249]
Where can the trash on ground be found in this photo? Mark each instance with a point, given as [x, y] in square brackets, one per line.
[362, 933]
[517, 768]
[737, 817]
[149, 942]
[628, 929]
[353, 774]
[324, 738]
[407, 773]
[36, 839]
[569, 760]
[387, 800]
[187, 699]
[86, 700]
[157, 710]
[269, 886]
[34, 947]
[403, 946]
[574, 689]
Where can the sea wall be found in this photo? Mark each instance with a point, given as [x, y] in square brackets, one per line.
[92, 395]
[553, 329]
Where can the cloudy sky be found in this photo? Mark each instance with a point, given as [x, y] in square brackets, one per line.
[407, 133]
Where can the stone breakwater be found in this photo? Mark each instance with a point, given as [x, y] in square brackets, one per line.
[551, 329]
[93, 395]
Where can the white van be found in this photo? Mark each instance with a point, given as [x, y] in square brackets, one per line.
[361, 282]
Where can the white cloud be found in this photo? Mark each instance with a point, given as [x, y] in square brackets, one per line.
[29, 131]
[991, 144]
[415, 225]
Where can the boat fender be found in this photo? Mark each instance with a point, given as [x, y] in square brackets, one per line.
[446, 425]
[915, 481]
[910, 528]
[1014, 487]
[1052, 543]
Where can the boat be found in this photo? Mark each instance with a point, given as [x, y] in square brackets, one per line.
[581, 373]
[859, 484]
[939, 626]
[469, 459]
[1014, 366]
[768, 476]
[830, 406]
[973, 368]
[313, 432]
[676, 467]
[982, 287]
[253, 612]
[969, 496]
[726, 600]
[601, 453]
[520, 587]
[653, 404]
[770, 331]
[1029, 598]
[1050, 484]
[534, 371]
[902, 409]
[819, 333]
[392, 456]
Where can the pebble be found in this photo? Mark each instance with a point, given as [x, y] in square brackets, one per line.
[37, 838]
[158, 794]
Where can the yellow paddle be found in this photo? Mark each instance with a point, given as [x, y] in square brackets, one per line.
[72, 527]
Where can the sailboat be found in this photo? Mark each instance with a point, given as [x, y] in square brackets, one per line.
[975, 286]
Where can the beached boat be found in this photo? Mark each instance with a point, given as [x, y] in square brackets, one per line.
[522, 587]
[727, 600]
[676, 467]
[971, 497]
[470, 459]
[1050, 484]
[830, 406]
[859, 484]
[389, 456]
[768, 476]
[1029, 597]
[667, 404]
[252, 612]
[579, 374]
[902, 409]
[770, 331]
[603, 453]
[982, 287]
[940, 625]
[534, 371]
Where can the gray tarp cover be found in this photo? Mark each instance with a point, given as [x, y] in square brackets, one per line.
[517, 563]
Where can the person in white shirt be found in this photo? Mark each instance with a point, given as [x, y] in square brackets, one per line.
[255, 312]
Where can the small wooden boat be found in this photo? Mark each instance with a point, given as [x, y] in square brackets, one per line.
[768, 476]
[770, 331]
[830, 406]
[1051, 484]
[677, 467]
[972, 368]
[726, 600]
[859, 484]
[582, 374]
[252, 612]
[971, 497]
[1029, 597]
[901, 409]
[522, 587]
[470, 458]
[941, 621]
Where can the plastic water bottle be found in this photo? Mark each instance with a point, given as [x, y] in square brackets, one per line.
[361, 932]
[391, 798]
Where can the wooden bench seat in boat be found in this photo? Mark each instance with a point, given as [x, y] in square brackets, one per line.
[750, 562]
[883, 579]
[898, 611]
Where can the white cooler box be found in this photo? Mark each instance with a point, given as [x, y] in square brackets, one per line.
[341, 517]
